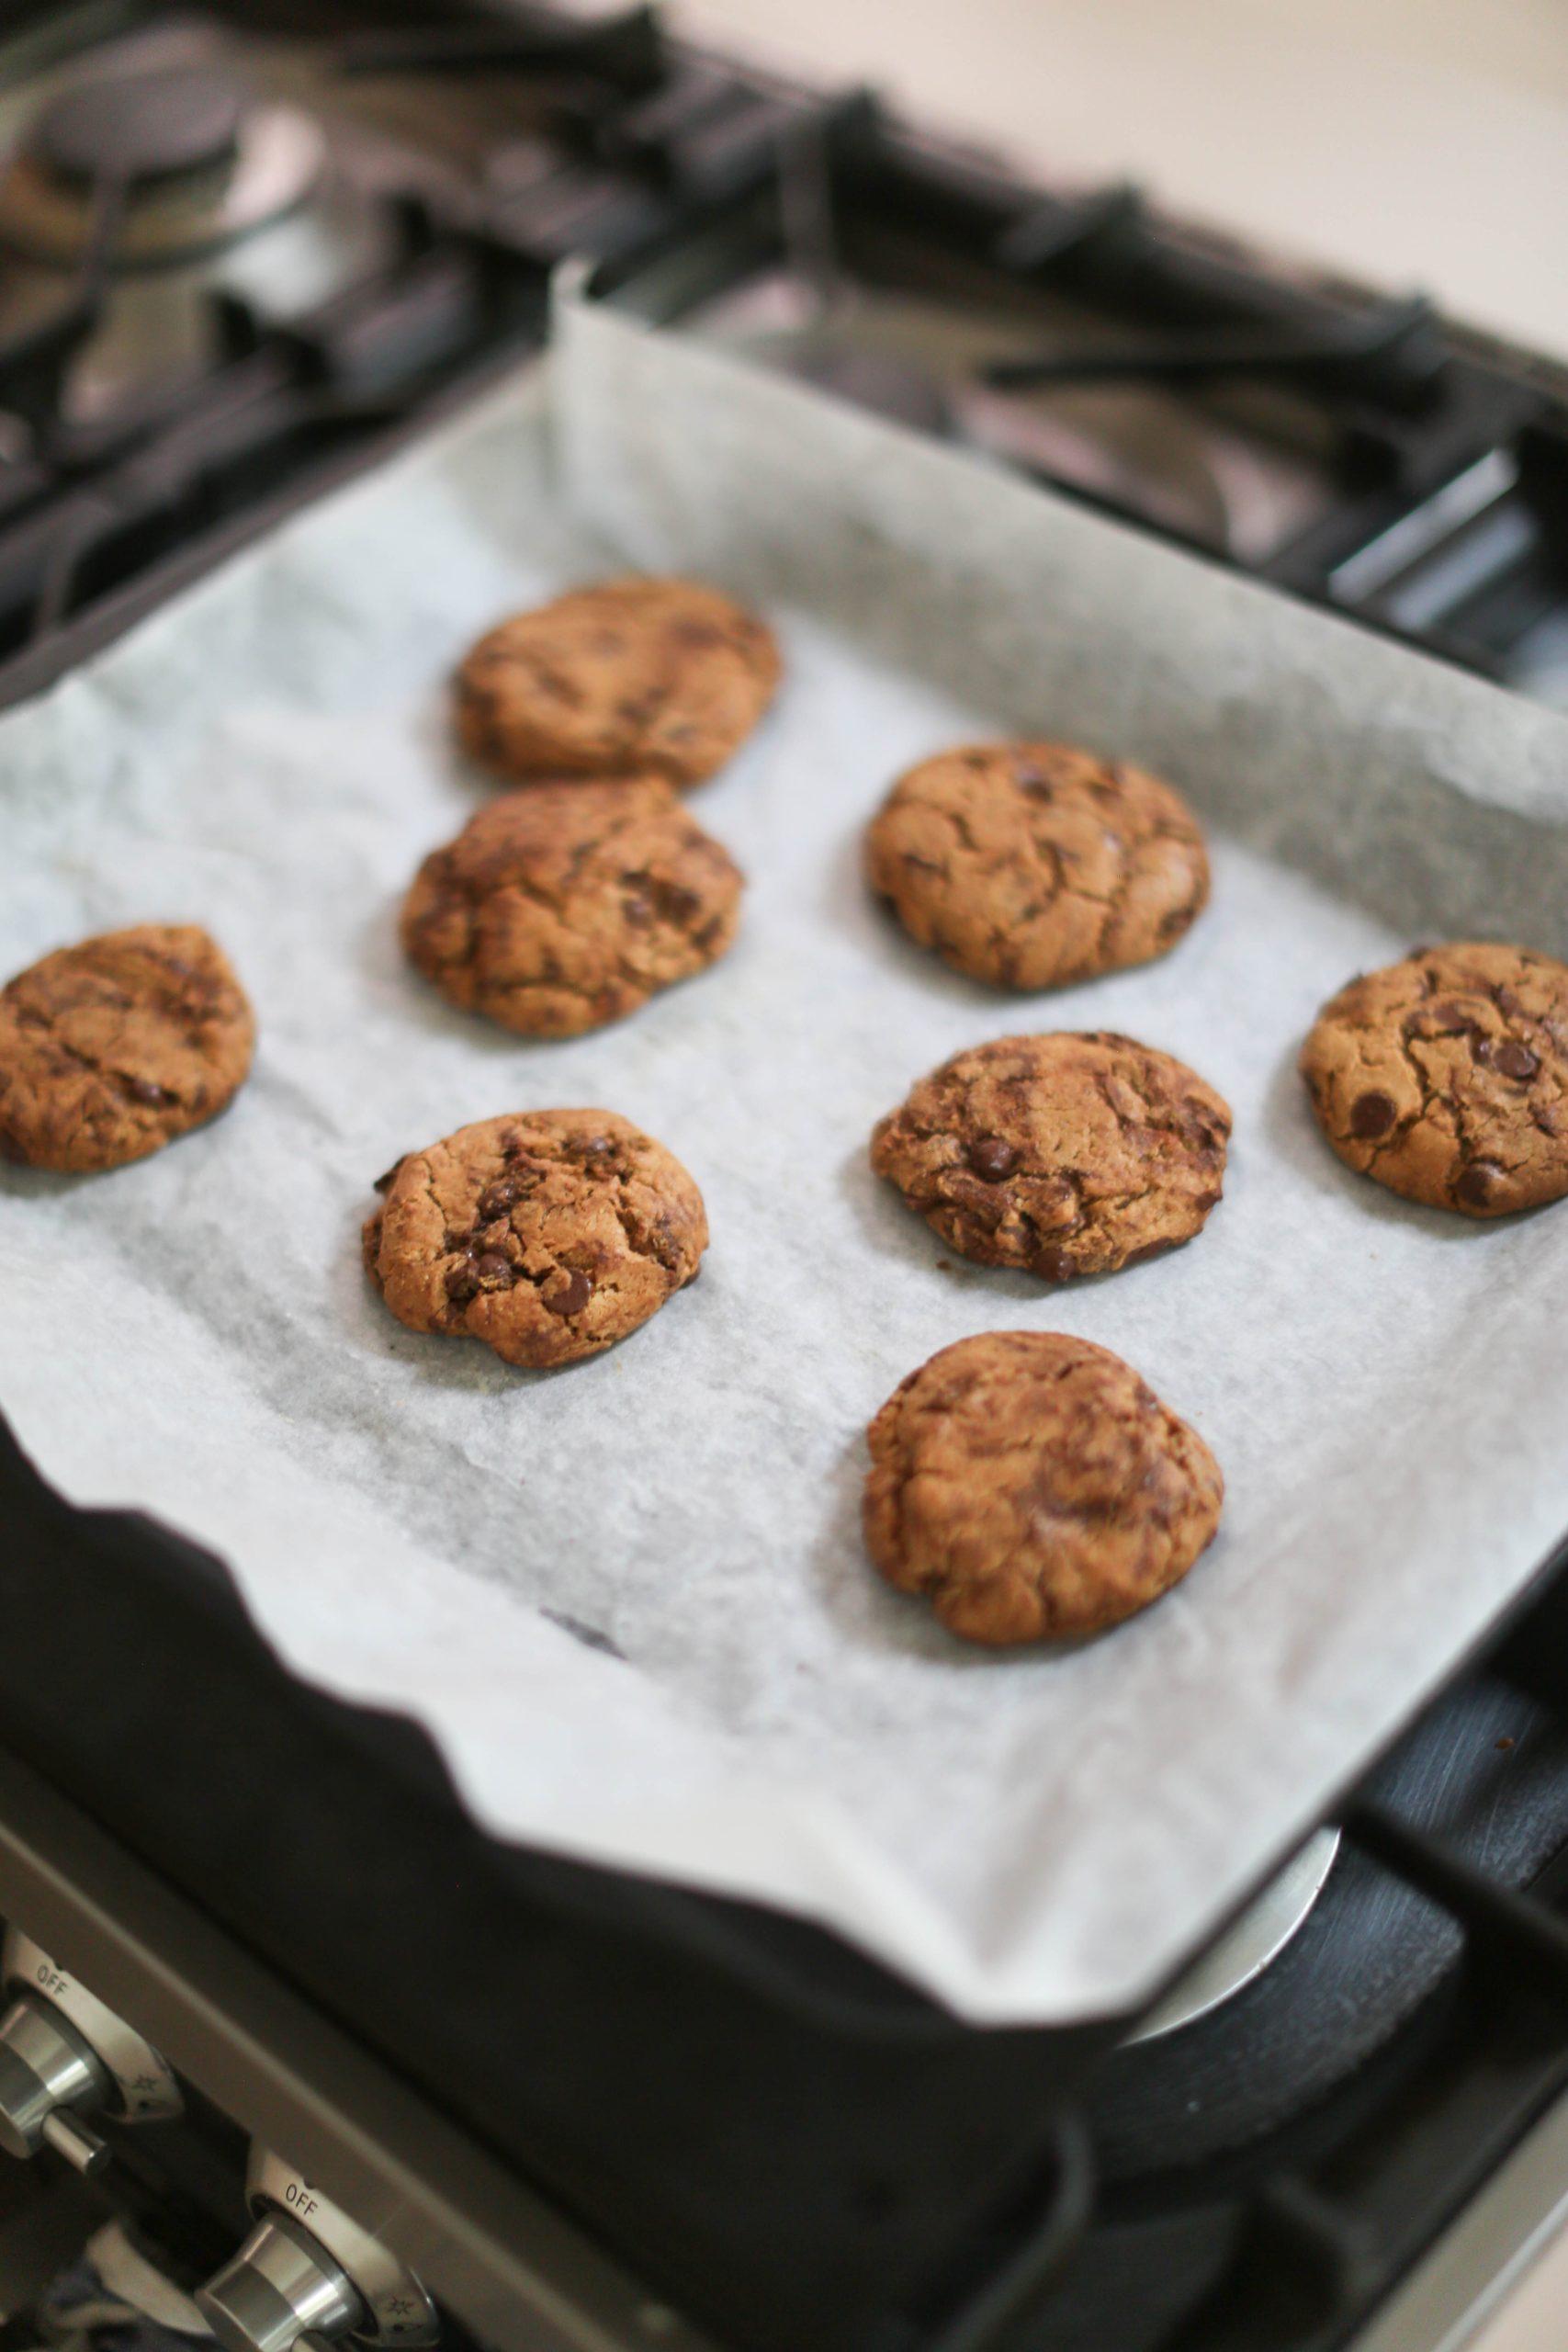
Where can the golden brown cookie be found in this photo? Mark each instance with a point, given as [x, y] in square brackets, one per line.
[632, 675]
[1446, 1078]
[1031, 1486]
[1034, 864]
[1068, 1154]
[110, 1049]
[549, 1234]
[558, 909]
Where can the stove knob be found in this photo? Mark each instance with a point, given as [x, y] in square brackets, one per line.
[282, 2284]
[64, 2053]
[308, 2270]
[46, 2070]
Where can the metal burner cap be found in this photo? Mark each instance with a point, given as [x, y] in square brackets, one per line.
[138, 128]
[203, 168]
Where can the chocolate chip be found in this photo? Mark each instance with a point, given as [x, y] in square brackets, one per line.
[674, 904]
[1513, 1059]
[993, 1158]
[1031, 780]
[1145, 1250]
[663, 1244]
[141, 1089]
[638, 908]
[1373, 1114]
[463, 1282]
[494, 1270]
[1055, 1265]
[1478, 1183]
[384, 1184]
[496, 1198]
[572, 1297]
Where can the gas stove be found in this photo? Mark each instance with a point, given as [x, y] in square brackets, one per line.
[248, 250]
[293, 2048]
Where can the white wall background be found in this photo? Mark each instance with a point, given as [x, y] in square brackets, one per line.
[1420, 141]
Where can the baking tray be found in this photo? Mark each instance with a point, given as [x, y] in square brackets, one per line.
[1010, 1833]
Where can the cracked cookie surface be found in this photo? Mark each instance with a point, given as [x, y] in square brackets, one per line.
[561, 907]
[549, 1234]
[1034, 864]
[1073, 1153]
[111, 1049]
[634, 674]
[1031, 1486]
[1445, 1076]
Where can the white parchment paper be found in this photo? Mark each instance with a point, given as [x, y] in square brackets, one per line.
[630, 1601]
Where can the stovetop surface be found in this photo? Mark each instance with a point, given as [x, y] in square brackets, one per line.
[363, 217]
[319, 229]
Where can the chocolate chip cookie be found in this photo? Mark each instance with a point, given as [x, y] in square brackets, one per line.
[549, 1234]
[110, 1049]
[1068, 1154]
[1031, 1486]
[565, 905]
[629, 676]
[1034, 865]
[1445, 1076]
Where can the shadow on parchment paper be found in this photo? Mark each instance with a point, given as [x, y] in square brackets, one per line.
[22, 1183]
[1289, 1125]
